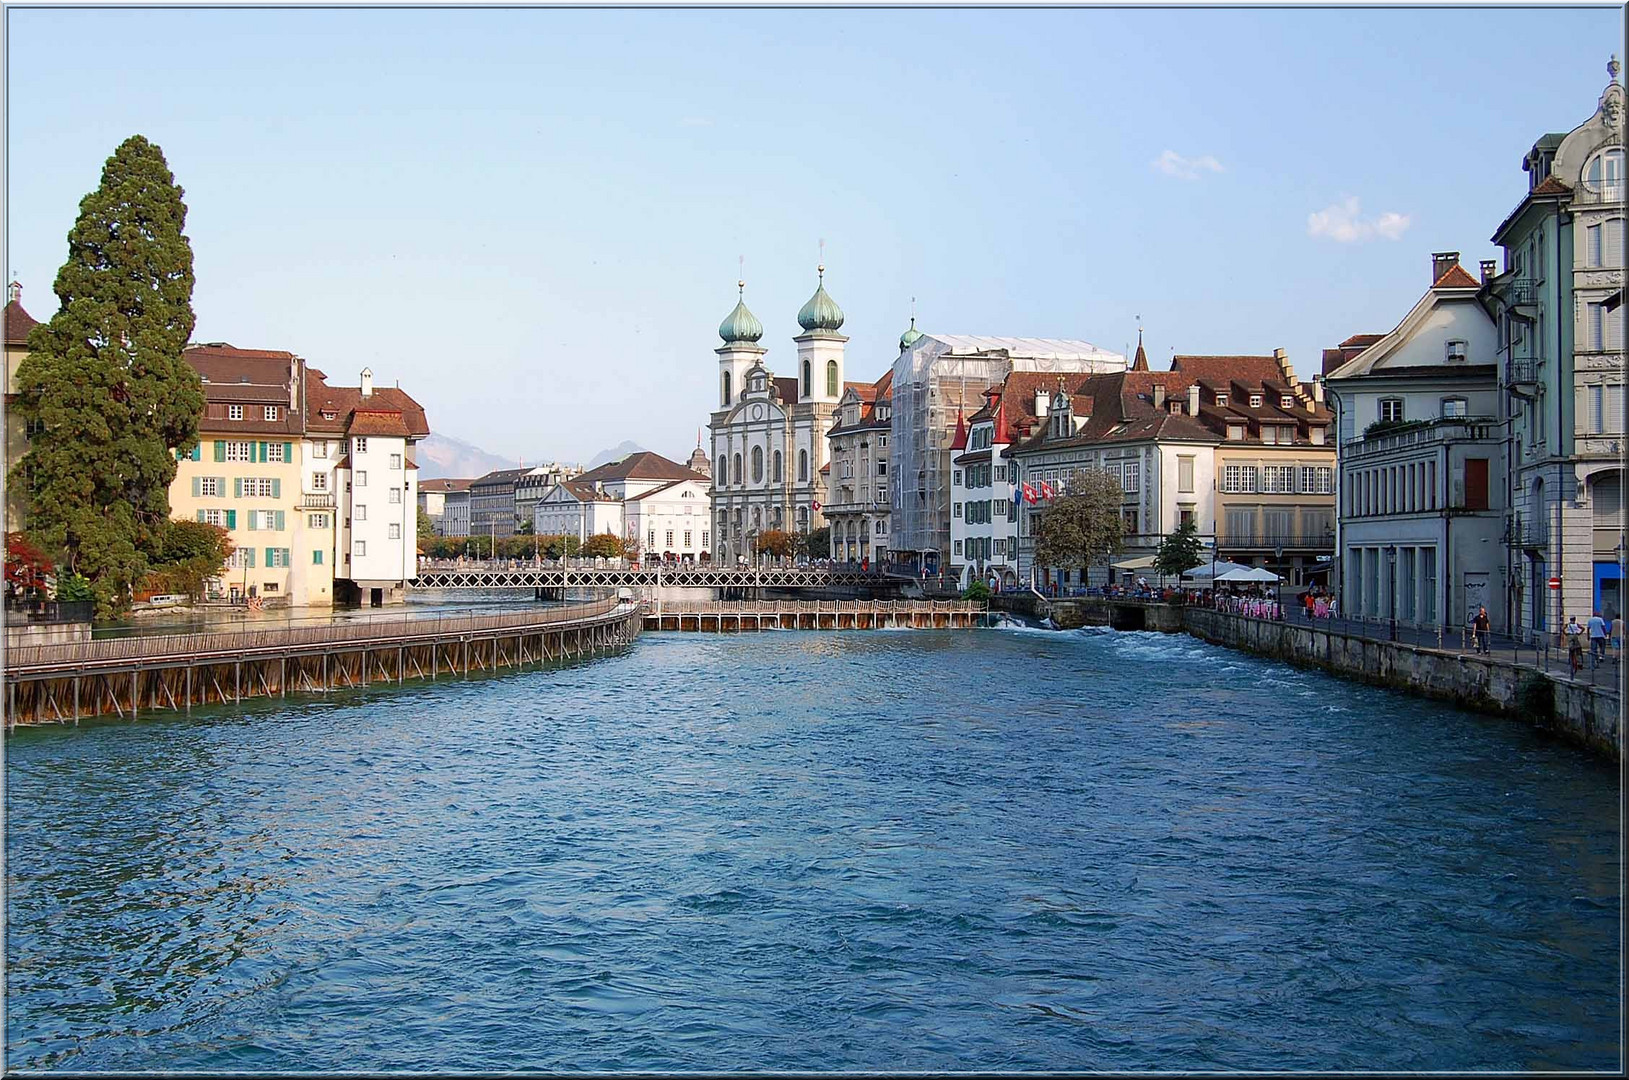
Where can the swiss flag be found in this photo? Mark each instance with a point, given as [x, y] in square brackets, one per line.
[1029, 494]
[1046, 489]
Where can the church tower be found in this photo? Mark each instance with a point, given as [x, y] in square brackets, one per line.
[740, 331]
[820, 347]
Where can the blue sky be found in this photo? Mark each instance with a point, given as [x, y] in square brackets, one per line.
[531, 218]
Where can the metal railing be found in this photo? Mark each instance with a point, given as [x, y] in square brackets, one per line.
[1302, 538]
[814, 607]
[235, 643]
[1521, 372]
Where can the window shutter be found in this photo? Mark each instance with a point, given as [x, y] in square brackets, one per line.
[237, 487]
[277, 490]
[200, 515]
[262, 451]
[253, 514]
[232, 521]
[220, 450]
[198, 452]
[197, 482]
[288, 559]
[288, 453]
[271, 557]
[249, 557]
[279, 521]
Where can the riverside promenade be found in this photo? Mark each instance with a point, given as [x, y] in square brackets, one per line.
[64, 683]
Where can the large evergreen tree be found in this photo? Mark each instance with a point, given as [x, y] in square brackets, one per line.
[105, 383]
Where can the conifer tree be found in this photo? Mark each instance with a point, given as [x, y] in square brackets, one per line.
[105, 383]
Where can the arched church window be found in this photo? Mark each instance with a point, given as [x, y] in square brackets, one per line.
[807, 392]
[777, 472]
[738, 468]
[723, 472]
[803, 466]
[726, 388]
[757, 464]
[831, 378]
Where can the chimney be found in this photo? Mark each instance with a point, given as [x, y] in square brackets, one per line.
[1159, 395]
[1490, 270]
[367, 382]
[1193, 399]
[1043, 401]
[1441, 263]
[14, 293]
[1317, 390]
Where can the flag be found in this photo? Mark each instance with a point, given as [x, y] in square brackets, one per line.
[1046, 489]
[1029, 494]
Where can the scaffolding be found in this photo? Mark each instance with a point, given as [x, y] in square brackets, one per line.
[933, 379]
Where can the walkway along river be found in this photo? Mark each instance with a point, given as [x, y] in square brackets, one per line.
[886, 850]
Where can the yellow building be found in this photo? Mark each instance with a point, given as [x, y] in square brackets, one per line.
[244, 476]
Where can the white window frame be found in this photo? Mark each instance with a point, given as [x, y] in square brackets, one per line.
[237, 450]
[270, 412]
[210, 486]
[234, 412]
[394, 532]
[360, 512]
[395, 498]
[1392, 405]
[395, 461]
[319, 481]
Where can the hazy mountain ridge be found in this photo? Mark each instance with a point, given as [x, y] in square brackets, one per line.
[615, 453]
[442, 457]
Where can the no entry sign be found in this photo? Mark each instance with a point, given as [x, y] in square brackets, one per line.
[1555, 583]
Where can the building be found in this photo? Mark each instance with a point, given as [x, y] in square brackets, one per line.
[369, 434]
[437, 497]
[856, 473]
[1420, 425]
[658, 504]
[245, 476]
[1561, 345]
[531, 486]
[1275, 463]
[768, 433]
[492, 503]
[17, 325]
[937, 378]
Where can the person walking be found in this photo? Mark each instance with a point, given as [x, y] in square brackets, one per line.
[1597, 640]
[1480, 627]
[1617, 637]
[1575, 643]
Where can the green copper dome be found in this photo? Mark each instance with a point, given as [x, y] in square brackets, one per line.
[821, 312]
[911, 336]
[740, 324]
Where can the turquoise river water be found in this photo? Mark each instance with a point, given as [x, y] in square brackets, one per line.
[996, 850]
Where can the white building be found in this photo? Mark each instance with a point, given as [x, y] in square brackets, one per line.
[446, 504]
[369, 436]
[768, 433]
[658, 503]
[1422, 471]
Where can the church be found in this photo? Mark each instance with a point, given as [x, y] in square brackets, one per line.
[769, 433]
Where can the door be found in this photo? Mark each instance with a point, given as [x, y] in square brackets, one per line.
[1476, 593]
[1476, 483]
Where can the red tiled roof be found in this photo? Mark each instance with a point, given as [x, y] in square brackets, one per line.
[1245, 369]
[434, 486]
[381, 422]
[641, 466]
[1361, 341]
[18, 323]
[1455, 277]
[341, 401]
[1551, 186]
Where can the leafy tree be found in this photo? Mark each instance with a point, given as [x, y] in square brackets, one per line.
[525, 528]
[26, 565]
[1179, 552]
[191, 553]
[976, 590]
[775, 542]
[630, 546]
[1083, 526]
[105, 381]
[427, 527]
[73, 588]
[818, 543]
[602, 546]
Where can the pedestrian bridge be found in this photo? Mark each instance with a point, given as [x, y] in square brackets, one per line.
[559, 575]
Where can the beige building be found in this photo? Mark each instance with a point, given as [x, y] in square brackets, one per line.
[857, 501]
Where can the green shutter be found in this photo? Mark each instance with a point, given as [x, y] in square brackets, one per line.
[316, 558]
[249, 557]
[271, 558]
[288, 557]
[196, 481]
[288, 453]
[198, 452]
[280, 525]
[253, 514]
[232, 521]
[220, 450]
[262, 451]
[277, 491]
[237, 487]
[200, 515]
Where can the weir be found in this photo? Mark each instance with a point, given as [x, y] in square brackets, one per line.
[729, 616]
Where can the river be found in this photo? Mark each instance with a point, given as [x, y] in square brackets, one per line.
[997, 849]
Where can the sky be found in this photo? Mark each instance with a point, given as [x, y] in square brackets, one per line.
[531, 219]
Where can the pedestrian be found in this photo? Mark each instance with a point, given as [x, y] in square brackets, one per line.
[1617, 637]
[1575, 643]
[1597, 640]
[1480, 627]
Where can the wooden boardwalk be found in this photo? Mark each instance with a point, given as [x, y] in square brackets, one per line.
[726, 616]
[62, 683]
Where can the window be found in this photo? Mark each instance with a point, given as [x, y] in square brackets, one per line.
[1239, 479]
[831, 378]
[882, 441]
[266, 519]
[1603, 329]
[808, 383]
[274, 452]
[1285, 401]
[210, 486]
[726, 388]
[803, 466]
[395, 496]
[955, 547]
[757, 464]
[1453, 407]
[1130, 475]
[882, 468]
[722, 472]
[1603, 244]
[395, 461]
[316, 557]
[360, 512]
[360, 445]
[1184, 473]
[276, 557]
[362, 478]
[394, 532]
[704, 538]
[1235, 431]
[956, 477]
[213, 517]
[737, 470]
[234, 412]
[1391, 409]
[319, 449]
[240, 451]
[271, 412]
[1185, 516]
[1128, 522]
[360, 547]
[1604, 174]
[318, 521]
[1221, 398]
[1278, 479]
[955, 509]
[1315, 434]
[882, 496]
[1269, 434]
[1255, 401]
[777, 470]
[1457, 350]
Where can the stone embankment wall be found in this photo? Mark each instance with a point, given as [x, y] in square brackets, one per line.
[1585, 715]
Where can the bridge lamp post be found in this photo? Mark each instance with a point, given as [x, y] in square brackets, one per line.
[1278, 588]
[1391, 565]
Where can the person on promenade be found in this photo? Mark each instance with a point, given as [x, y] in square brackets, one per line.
[1480, 627]
[1575, 643]
[1617, 637]
[1597, 640]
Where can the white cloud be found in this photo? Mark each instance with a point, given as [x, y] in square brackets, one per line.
[1174, 164]
[1343, 223]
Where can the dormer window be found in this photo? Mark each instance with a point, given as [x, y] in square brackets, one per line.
[328, 414]
[1221, 398]
[1235, 431]
[1255, 401]
[234, 412]
[1176, 406]
[1285, 401]
[1457, 351]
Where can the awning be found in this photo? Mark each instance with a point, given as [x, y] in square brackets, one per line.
[1248, 573]
[1144, 563]
[1221, 566]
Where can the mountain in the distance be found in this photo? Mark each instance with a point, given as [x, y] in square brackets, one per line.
[442, 457]
[616, 453]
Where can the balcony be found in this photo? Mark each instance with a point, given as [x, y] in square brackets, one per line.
[317, 502]
[1522, 376]
[1426, 432]
[1263, 540]
[1526, 533]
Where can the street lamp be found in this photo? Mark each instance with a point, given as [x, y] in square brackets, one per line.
[1391, 564]
[1278, 587]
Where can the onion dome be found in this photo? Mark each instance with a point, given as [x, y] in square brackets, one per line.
[740, 324]
[821, 312]
[911, 336]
